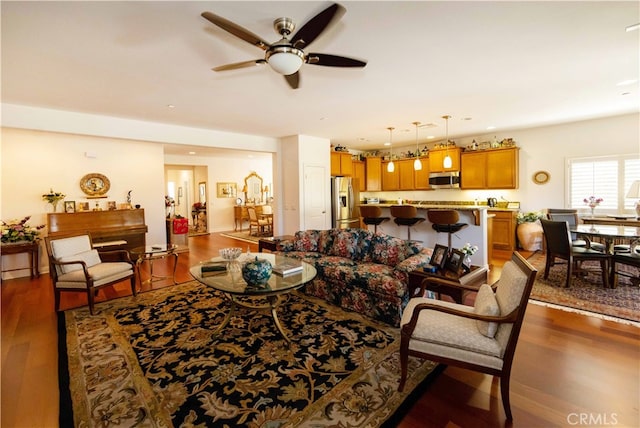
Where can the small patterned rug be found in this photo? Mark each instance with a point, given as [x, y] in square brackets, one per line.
[152, 360]
[241, 236]
[586, 292]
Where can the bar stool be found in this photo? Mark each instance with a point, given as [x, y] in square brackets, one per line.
[406, 215]
[372, 215]
[446, 221]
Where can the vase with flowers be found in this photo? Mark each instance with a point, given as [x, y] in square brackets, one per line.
[592, 202]
[19, 230]
[53, 198]
[468, 250]
[529, 230]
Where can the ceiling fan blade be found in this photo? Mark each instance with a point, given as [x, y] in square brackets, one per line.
[333, 60]
[316, 25]
[293, 80]
[236, 30]
[237, 65]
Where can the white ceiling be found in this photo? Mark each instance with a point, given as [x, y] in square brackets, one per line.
[505, 64]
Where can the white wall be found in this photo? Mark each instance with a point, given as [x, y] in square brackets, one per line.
[34, 162]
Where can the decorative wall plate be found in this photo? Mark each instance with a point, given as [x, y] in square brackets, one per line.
[540, 177]
[95, 184]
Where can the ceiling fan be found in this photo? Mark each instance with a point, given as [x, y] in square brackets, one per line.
[286, 56]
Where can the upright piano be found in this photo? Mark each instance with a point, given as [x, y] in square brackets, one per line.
[122, 229]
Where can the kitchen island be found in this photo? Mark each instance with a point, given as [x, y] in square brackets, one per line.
[475, 233]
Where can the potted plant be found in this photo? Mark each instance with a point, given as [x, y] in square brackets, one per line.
[530, 230]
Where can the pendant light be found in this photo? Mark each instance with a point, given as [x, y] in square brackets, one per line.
[447, 162]
[390, 166]
[417, 165]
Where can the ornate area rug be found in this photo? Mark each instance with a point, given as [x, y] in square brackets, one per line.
[152, 360]
[586, 292]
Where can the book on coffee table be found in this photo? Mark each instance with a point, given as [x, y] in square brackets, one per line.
[213, 269]
[287, 268]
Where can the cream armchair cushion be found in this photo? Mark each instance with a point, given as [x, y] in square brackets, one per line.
[486, 304]
[90, 258]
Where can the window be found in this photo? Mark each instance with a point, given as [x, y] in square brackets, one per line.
[607, 177]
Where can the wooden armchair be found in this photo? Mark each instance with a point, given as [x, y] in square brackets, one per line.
[74, 265]
[262, 225]
[481, 338]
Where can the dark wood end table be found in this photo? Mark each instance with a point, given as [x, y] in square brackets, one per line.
[448, 283]
[271, 244]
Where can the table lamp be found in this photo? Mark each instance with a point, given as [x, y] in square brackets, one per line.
[634, 193]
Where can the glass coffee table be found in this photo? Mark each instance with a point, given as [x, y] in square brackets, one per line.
[231, 283]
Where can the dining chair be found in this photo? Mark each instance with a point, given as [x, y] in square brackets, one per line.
[558, 241]
[74, 265]
[482, 337]
[571, 217]
[630, 258]
[260, 224]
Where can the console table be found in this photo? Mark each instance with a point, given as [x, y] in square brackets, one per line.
[240, 214]
[31, 248]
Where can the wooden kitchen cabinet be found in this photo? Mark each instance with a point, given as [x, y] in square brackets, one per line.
[489, 169]
[421, 177]
[359, 173]
[405, 174]
[436, 158]
[503, 230]
[373, 171]
[341, 164]
[390, 180]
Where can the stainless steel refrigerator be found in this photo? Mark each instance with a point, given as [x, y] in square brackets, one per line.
[344, 203]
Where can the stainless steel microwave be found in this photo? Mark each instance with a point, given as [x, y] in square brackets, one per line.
[444, 180]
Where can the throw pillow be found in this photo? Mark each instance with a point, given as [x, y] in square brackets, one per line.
[486, 304]
[91, 258]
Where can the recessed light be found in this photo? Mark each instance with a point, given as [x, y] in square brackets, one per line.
[491, 127]
[430, 137]
[627, 82]
[625, 93]
[466, 118]
[171, 106]
[192, 153]
[387, 144]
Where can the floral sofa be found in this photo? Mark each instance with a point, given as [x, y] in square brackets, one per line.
[359, 270]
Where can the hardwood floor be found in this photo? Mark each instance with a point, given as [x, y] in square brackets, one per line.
[569, 369]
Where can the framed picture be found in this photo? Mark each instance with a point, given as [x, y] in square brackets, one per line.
[83, 206]
[69, 206]
[439, 256]
[111, 205]
[454, 264]
[227, 190]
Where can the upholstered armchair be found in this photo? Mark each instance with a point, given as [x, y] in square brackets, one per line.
[481, 338]
[74, 265]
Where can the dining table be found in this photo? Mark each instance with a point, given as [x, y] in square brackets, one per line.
[610, 234]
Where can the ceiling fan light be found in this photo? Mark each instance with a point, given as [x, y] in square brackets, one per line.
[285, 60]
[417, 165]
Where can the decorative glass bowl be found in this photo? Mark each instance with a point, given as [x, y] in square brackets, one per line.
[231, 253]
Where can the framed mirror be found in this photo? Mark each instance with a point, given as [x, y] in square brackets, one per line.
[253, 188]
[202, 192]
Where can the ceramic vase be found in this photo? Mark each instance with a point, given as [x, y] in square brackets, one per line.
[530, 235]
[257, 272]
